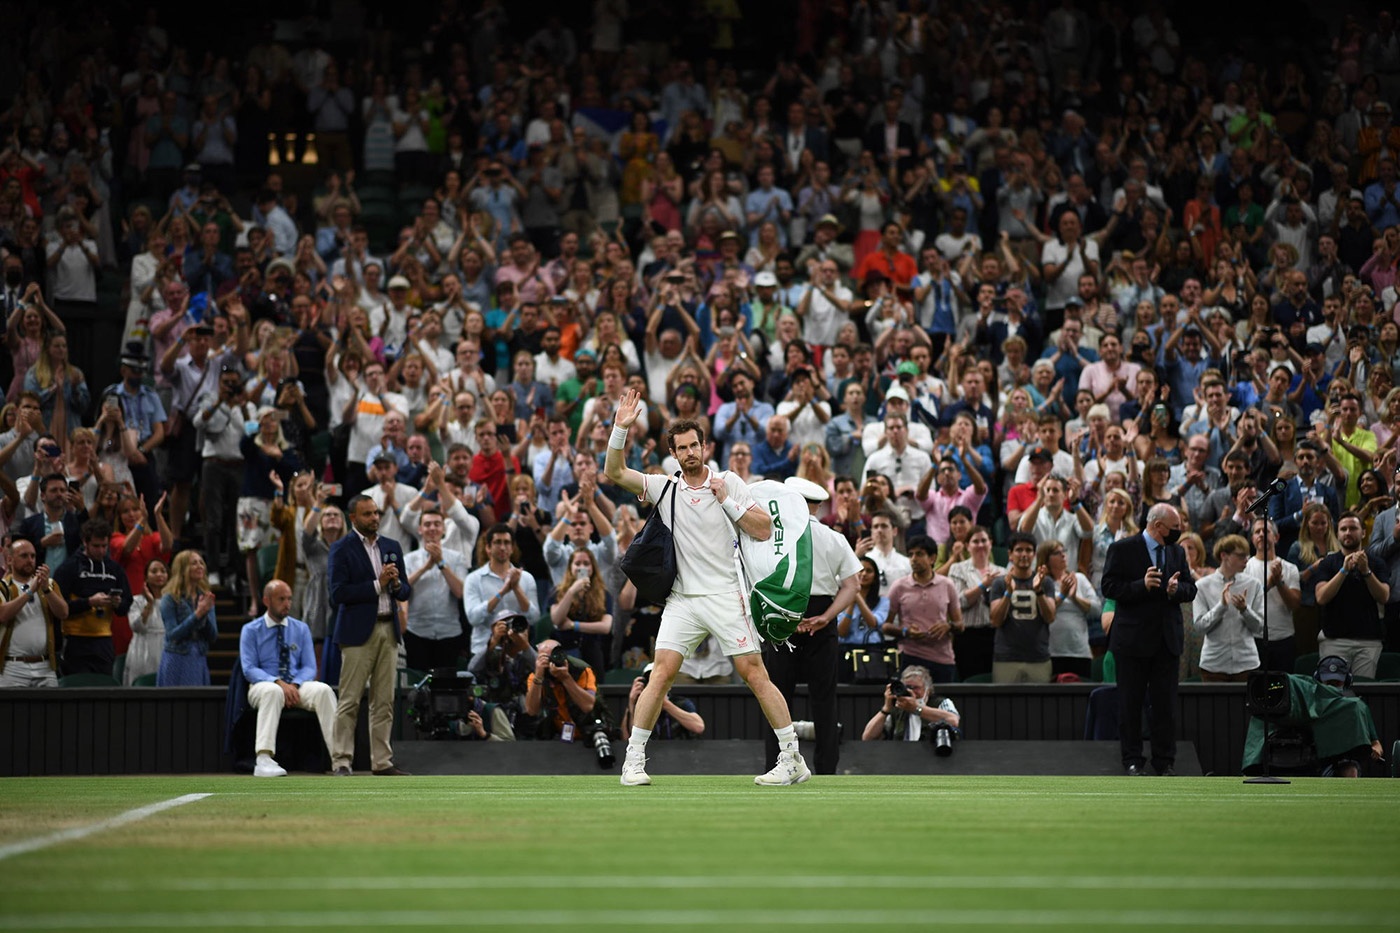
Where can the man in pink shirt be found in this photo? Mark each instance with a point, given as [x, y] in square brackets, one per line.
[946, 496]
[1112, 380]
[925, 612]
[524, 272]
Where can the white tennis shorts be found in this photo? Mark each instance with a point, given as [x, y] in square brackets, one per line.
[688, 620]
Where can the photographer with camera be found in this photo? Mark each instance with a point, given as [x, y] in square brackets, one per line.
[911, 711]
[678, 719]
[504, 667]
[563, 694]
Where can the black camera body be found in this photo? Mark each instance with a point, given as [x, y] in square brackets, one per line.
[559, 657]
[898, 688]
[440, 702]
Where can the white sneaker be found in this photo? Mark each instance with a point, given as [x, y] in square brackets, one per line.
[790, 769]
[805, 729]
[266, 767]
[634, 769]
[214, 581]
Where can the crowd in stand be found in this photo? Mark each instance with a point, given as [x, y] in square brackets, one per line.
[1001, 283]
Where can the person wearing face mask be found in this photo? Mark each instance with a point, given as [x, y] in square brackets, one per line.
[1148, 577]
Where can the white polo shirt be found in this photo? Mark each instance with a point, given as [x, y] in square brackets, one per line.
[704, 536]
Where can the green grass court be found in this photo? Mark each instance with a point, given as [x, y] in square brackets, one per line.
[699, 853]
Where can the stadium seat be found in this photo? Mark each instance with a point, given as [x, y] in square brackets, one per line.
[1096, 669]
[145, 680]
[979, 679]
[1306, 665]
[267, 561]
[620, 675]
[409, 678]
[118, 666]
[88, 680]
[542, 629]
[1388, 667]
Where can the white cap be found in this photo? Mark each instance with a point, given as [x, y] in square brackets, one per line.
[765, 279]
[897, 391]
[807, 489]
[399, 281]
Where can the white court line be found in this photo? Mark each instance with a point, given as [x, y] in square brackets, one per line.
[737, 919]
[734, 882]
[80, 832]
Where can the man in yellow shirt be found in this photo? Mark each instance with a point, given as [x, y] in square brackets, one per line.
[1353, 446]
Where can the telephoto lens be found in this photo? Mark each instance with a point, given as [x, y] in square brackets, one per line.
[603, 747]
[943, 740]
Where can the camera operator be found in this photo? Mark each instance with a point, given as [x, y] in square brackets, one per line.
[561, 698]
[504, 667]
[909, 711]
[678, 720]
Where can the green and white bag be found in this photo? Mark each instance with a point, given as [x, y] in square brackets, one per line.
[777, 573]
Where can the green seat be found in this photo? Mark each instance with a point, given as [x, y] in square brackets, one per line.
[320, 447]
[383, 177]
[620, 675]
[542, 629]
[999, 556]
[267, 562]
[1388, 667]
[118, 667]
[1306, 665]
[1193, 679]
[414, 194]
[145, 680]
[409, 678]
[1096, 669]
[376, 193]
[88, 680]
[979, 678]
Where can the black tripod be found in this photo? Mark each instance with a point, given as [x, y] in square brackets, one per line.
[1263, 682]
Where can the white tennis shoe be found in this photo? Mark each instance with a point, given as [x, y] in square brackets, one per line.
[634, 769]
[266, 767]
[790, 769]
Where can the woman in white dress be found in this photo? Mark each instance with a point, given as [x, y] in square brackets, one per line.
[147, 629]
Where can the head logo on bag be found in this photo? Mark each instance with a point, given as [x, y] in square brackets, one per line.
[777, 573]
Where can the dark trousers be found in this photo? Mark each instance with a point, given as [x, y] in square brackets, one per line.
[220, 483]
[1277, 654]
[428, 654]
[86, 655]
[813, 660]
[972, 649]
[147, 483]
[1153, 676]
[1392, 628]
[356, 479]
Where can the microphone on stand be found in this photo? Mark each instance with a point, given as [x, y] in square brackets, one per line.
[1275, 488]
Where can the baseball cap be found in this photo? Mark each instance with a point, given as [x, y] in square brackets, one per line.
[281, 263]
[807, 489]
[896, 392]
[399, 281]
[1039, 452]
[907, 368]
[584, 351]
[765, 280]
[829, 219]
[505, 615]
[728, 235]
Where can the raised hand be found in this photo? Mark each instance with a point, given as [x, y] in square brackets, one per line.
[628, 409]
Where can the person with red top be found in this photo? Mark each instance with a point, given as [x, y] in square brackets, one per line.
[492, 469]
[889, 260]
[1022, 496]
[135, 543]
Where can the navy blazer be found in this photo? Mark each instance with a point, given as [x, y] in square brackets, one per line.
[32, 529]
[354, 600]
[1145, 621]
[1286, 509]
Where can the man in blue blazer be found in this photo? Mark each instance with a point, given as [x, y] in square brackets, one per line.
[1287, 509]
[366, 585]
[1148, 576]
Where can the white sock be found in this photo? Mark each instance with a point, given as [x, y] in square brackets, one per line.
[638, 739]
[787, 738]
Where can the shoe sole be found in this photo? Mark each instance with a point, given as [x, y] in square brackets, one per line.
[800, 780]
[642, 783]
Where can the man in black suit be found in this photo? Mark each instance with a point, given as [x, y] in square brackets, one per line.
[1147, 575]
[891, 140]
[367, 583]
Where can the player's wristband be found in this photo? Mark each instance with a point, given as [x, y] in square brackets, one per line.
[732, 510]
[618, 439]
